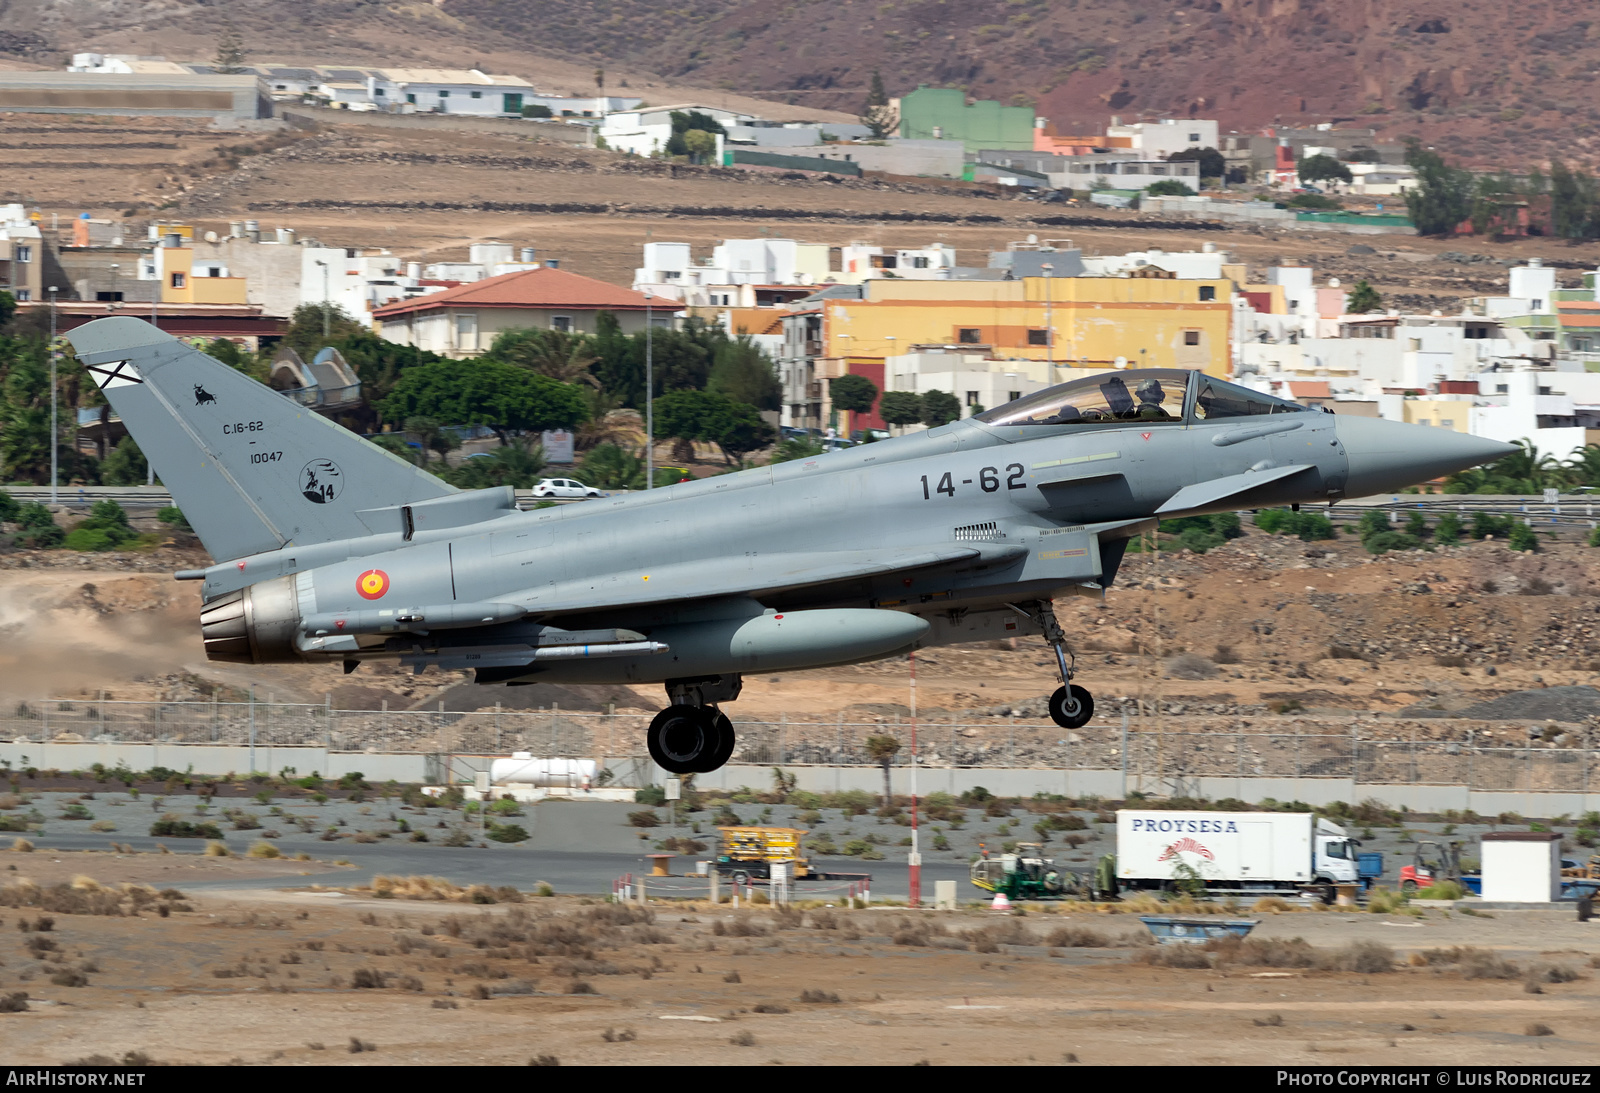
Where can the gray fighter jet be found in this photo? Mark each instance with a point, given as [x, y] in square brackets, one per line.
[329, 548]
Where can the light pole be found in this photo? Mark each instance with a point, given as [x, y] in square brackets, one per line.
[915, 859]
[55, 435]
[326, 311]
[1049, 330]
[649, 396]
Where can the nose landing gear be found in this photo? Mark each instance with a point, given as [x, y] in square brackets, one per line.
[1071, 706]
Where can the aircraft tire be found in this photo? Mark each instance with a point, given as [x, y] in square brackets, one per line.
[682, 738]
[723, 750]
[1071, 707]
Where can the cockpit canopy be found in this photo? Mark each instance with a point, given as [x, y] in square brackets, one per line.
[1143, 395]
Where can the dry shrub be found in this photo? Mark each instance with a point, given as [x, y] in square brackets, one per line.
[817, 996]
[1551, 973]
[415, 887]
[358, 1045]
[67, 977]
[1190, 666]
[1472, 963]
[215, 849]
[1538, 1028]
[823, 919]
[1274, 1020]
[1264, 952]
[14, 1002]
[22, 846]
[66, 899]
[1078, 937]
[445, 1004]
[368, 979]
[732, 977]
[1366, 957]
[9, 801]
[988, 939]
[1270, 904]
[769, 1007]
[617, 914]
[578, 986]
[1174, 956]
[745, 1038]
[544, 1060]
[264, 849]
[916, 931]
[739, 927]
[612, 1036]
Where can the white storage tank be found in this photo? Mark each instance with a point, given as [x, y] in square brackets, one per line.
[522, 768]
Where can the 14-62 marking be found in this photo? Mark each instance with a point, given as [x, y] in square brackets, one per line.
[988, 481]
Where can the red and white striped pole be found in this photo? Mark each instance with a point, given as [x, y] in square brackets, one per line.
[915, 859]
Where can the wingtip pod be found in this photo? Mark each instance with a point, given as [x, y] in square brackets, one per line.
[104, 339]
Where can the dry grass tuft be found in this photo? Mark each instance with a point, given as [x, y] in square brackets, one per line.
[263, 849]
[215, 849]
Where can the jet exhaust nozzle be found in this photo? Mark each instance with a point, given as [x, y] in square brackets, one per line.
[255, 625]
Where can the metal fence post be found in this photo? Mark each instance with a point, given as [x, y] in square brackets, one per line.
[783, 739]
[252, 728]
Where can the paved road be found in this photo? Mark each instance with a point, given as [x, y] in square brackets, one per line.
[567, 872]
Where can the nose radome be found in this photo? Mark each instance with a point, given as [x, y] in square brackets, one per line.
[1390, 455]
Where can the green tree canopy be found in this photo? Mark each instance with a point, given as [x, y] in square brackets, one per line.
[686, 121]
[1363, 298]
[744, 373]
[900, 407]
[1323, 168]
[706, 416]
[1443, 196]
[878, 115]
[939, 407]
[487, 392]
[1168, 187]
[514, 465]
[124, 465]
[1212, 165]
[856, 394]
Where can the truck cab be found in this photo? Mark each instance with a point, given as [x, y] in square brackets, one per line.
[1337, 855]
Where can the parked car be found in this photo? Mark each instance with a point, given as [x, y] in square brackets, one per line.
[564, 487]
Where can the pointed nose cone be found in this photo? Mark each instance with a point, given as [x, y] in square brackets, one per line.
[1390, 455]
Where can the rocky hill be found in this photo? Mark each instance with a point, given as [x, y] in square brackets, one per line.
[1489, 84]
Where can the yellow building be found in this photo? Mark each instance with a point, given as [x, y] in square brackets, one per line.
[185, 281]
[1084, 322]
[1442, 413]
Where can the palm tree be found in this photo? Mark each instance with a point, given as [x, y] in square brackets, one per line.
[1583, 469]
[883, 749]
[555, 353]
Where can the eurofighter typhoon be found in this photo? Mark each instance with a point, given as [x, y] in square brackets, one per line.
[329, 548]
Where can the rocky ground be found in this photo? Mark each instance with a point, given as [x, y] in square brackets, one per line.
[112, 961]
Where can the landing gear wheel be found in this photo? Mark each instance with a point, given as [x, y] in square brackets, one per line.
[722, 750]
[1071, 707]
[682, 739]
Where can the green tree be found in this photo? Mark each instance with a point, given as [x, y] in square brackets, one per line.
[1212, 165]
[432, 436]
[106, 528]
[796, 447]
[558, 354]
[900, 407]
[609, 467]
[125, 465]
[1168, 187]
[1522, 537]
[744, 373]
[701, 145]
[487, 392]
[514, 465]
[1574, 206]
[879, 115]
[25, 410]
[1442, 197]
[536, 110]
[305, 335]
[706, 416]
[1322, 168]
[1448, 532]
[939, 407]
[856, 394]
[36, 528]
[396, 444]
[882, 750]
[686, 121]
[8, 308]
[1363, 298]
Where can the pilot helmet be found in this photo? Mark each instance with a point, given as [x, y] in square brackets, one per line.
[1149, 390]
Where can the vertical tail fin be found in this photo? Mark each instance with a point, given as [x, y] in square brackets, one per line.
[252, 470]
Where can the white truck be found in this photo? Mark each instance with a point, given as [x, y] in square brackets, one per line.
[1248, 853]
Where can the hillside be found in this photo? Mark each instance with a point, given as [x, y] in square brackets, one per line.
[1489, 84]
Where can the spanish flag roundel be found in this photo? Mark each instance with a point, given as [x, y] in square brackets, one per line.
[372, 584]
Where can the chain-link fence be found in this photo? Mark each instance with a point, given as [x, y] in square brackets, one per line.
[1367, 753]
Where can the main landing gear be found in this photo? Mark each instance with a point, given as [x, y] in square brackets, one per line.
[692, 736]
[1071, 706]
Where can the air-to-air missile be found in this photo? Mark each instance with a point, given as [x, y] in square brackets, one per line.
[329, 548]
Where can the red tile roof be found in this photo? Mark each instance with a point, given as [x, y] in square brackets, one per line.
[533, 288]
[1310, 389]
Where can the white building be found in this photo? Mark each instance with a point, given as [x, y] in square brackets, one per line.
[978, 382]
[647, 132]
[860, 262]
[1160, 139]
[1198, 265]
[1121, 172]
